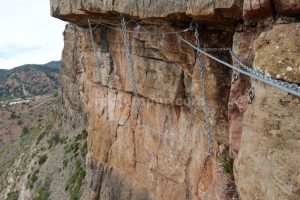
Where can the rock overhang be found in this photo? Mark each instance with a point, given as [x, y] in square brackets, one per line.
[220, 14]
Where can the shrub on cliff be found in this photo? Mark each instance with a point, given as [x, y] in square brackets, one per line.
[75, 181]
[226, 163]
[44, 191]
[13, 115]
[42, 159]
[13, 195]
[25, 131]
[32, 178]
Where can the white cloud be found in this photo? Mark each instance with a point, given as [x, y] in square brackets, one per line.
[28, 33]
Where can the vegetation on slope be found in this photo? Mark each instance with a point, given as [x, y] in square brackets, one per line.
[52, 66]
[45, 151]
[77, 175]
[29, 80]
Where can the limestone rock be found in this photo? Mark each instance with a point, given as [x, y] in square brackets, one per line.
[206, 9]
[267, 166]
[277, 52]
[266, 133]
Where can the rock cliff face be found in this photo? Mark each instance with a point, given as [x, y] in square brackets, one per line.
[155, 146]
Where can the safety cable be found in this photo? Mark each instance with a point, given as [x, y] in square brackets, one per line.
[290, 88]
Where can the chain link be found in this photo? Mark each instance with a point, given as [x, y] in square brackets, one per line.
[93, 45]
[234, 76]
[77, 47]
[203, 93]
[268, 79]
[216, 49]
[289, 86]
[80, 63]
[136, 31]
[130, 63]
[251, 95]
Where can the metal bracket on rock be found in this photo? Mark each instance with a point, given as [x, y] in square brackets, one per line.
[251, 95]
[235, 76]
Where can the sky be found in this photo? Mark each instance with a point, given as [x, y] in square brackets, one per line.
[28, 34]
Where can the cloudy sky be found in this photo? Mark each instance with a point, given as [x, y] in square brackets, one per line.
[28, 34]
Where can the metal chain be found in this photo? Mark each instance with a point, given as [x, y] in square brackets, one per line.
[130, 67]
[251, 95]
[76, 47]
[234, 76]
[203, 94]
[145, 32]
[216, 49]
[115, 27]
[288, 87]
[136, 31]
[80, 63]
[93, 44]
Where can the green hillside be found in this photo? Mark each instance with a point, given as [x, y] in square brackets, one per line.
[29, 80]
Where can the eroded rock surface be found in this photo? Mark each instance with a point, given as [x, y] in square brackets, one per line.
[218, 11]
[277, 52]
[264, 135]
[164, 143]
[270, 149]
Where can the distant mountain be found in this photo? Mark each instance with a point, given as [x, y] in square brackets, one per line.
[30, 79]
[52, 64]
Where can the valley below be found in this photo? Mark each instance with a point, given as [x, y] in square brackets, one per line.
[19, 116]
[40, 157]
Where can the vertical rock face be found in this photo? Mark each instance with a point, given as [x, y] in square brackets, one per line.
[270, 149]
[154, 146]
[267, 134]
[160, 149]
[72, 108]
